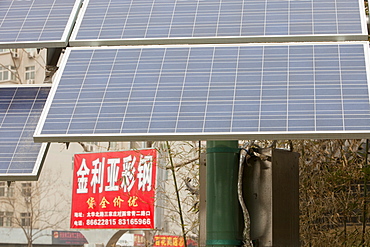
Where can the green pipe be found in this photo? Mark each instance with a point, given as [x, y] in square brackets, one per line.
[224, 225]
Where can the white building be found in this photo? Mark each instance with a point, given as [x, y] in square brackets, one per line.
[22, 66]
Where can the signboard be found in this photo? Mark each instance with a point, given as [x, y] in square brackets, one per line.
[139, 240]
[172, 241]
[68, 237]
[114, 190]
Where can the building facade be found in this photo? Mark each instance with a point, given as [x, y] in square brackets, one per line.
[22, 66]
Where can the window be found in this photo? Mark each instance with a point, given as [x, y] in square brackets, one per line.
[7, 50]
[6, 190]
[7, 73]
[31, 52]
[10, 190]
[2, 189]
[6, 218]
[26, 189]
[30, 73]
[91, 146]
[26, 219]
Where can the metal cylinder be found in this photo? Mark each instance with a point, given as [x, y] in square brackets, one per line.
[224, 224]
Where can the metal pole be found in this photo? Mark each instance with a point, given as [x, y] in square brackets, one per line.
[224, 216]
[365, 169]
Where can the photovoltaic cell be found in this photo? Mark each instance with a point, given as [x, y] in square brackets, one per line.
[172, 21]
[20, 109]
[280, 91]
[36, 23]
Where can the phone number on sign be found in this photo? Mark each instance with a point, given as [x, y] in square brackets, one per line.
[113, 222]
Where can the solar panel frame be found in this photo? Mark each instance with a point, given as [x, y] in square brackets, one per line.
[100, 88]
[21, 151]
[202, 39]
[61, 39]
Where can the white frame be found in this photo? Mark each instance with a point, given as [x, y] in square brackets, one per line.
[278, 135]
[34, 175]
[218, 40]
[52, 43]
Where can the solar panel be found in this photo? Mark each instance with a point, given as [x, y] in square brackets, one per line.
[20, 109]
[273, 91]
[117, 22]
[36, 23]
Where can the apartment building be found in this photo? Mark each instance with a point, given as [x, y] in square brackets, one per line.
[22, 66]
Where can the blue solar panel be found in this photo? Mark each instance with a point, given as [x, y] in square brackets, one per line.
[36, 23]
[210, 92]
[172, 21]
[20, 109]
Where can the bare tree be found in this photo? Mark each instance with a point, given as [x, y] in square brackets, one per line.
[332, 195]
[334, 177]
[36, 207]
[185, 167]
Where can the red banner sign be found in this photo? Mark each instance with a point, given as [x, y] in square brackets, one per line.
[114, 190]
[68, 237]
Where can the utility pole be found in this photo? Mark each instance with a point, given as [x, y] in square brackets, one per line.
[224, 216]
